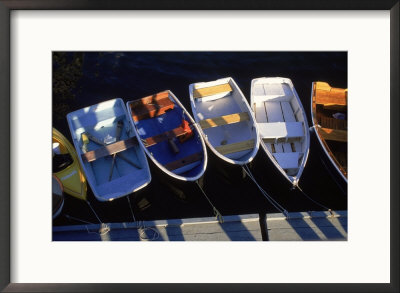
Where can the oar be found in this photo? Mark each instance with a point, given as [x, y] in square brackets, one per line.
[99, 142]
[118, 136]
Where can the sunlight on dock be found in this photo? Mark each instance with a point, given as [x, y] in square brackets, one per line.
[304, 226]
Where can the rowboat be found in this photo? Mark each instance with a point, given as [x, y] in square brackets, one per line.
[107, 147]
[57, 196]
[66, 166]
[282, 124]
[225, 119]
[169, 135]
[329, 116]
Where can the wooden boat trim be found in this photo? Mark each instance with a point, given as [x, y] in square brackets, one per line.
[224, 120]
[319, 130]
[183, 161]
[235, 147]
[151, 106]
[177, 132]
[333, 134]
[111, 149]
[212, 90]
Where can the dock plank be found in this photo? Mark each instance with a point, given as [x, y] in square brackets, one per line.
[299, 226]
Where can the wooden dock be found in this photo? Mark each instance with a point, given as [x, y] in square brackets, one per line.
[304, 226]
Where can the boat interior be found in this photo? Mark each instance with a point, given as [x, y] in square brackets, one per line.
[280, 122]
[330, 113]
[101, 131]
[223, 114]
[165, 130]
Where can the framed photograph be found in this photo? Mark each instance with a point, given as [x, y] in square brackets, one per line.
[188, 53]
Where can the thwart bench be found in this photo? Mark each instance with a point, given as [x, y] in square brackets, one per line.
[279, 128]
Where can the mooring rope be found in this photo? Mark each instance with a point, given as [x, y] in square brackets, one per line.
[332, 176]
[93, 211]
[276, 205]
[314, 201]
[141, 227]
[76, 219]
[217, 214]
[103, 230]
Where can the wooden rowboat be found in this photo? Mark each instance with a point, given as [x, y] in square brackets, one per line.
[99, 132]
[226, 121]
[329, 115]
[169, 135]
[282, 124]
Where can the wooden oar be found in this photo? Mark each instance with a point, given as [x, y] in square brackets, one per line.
[99, 142]
[118, 137]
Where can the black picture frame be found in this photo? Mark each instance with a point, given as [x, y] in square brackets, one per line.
[7, 6]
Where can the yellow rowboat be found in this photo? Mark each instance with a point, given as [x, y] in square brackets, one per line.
[71, 177]
[58, 197]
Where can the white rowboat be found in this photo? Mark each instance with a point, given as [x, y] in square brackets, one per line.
[100, 131]
[282, 124]
[225, 119]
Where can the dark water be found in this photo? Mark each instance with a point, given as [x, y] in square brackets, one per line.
[83, 79]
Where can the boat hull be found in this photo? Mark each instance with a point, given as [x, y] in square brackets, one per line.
[329, 165]
[225, 120]
[71, 177]
[57, 197]
[99, 132]
[169, 136]
[282, 124]
[331, 132]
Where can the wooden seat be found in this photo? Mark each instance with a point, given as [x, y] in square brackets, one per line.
[287, 160]
[328, 96]
[276, 130]
[176, 132]
[236, 147]
[333, 134]
[287, 111]
[212, 90]
[274, 111]
[223, 120]
[151, 106]
[184, 161]
[110, 149]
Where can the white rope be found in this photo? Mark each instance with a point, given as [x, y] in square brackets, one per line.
[217, 214]
[141, 227]
[276, 205]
